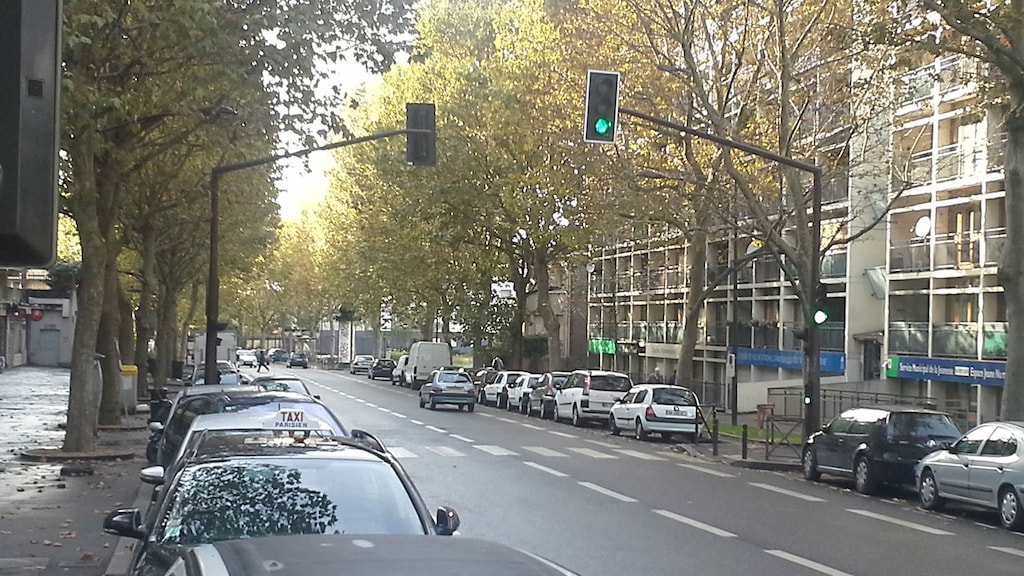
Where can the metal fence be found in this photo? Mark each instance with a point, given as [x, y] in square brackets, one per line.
[789, 401]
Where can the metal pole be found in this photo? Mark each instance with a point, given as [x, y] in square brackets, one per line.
[212, 375]
[734, 393]
[812, 350]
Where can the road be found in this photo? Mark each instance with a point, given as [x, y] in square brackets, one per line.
[604, 505]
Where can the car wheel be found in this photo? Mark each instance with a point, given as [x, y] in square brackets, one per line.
[471, 407]
[1011, 515]
[525, 408]
[928, 492]
[810, 465]
[864, 480]
[482, 397]
[502, 401]
[639, 433]
[393, 382]
[433, 405]
[555, 414]
[576, 416]
[461, 406]
[422, 402]
[613, 428]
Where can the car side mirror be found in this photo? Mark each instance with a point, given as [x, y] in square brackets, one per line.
[316, 396]
[156, 426]
[447, 521]
[369, 440]
[950, 447]
[125, 522]
[152, 475]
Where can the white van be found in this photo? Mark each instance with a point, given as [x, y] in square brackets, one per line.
[424, 358]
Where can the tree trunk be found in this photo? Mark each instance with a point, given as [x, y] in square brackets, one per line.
[1011, 265]
[696, 257]
[181, 330]
[166, 336]
[552, 325]
[107, 343]
[519, 284]
[145, 317]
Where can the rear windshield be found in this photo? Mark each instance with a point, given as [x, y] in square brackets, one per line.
[611, 383]
[924, 425]
[674, 397]
[452, 377]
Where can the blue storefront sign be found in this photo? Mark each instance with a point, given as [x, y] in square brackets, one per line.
[831, 362]
[947, 370]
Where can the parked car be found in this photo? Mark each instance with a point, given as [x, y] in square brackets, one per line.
[398, 374]
[521, 390]
[985, 467]
[298, 359]
[659, 408]
[247, 358]
[876, 445]
[361, 363]
[543, 397]
[496, 393]
[481, 378]
[590, 395]
[448, 387]
[381, 368]
[279, 355]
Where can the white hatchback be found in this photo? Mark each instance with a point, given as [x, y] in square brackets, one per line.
[496, 393]
[659, 408]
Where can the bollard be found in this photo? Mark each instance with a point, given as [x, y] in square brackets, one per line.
[714, 437]
[744, 445]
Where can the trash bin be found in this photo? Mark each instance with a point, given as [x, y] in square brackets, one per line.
[129, 380]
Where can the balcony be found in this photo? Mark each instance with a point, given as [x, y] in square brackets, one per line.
[909, 338]
[833, 265]
[910, 256]
[767, 270]
[599, 330]
[955, 340]
[958, 251]
[996, 151]
[666, 332]
[716, 335]
[995, 239]
[766, 336]
[833, 336]
[993, 340]
[836, 190]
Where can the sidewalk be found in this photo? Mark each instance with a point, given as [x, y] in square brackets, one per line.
[780, 457]
[52, 523]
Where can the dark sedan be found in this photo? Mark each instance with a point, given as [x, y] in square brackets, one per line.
[298, 359]
[381, 368]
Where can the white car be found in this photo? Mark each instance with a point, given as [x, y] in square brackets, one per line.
[247, 358]
[496, 393]
[590, 395]
[660, 408]
[521, 389]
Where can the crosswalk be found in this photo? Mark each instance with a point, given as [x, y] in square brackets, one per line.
[404, 452]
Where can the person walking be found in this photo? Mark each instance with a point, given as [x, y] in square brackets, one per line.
[261, 361]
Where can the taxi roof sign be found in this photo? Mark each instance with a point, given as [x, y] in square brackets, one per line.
[292, 419]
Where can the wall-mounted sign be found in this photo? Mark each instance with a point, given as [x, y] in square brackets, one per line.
[830, 362]
[947, 370]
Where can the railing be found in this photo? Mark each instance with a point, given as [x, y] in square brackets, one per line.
[910, 256]
[833, 265]
[601, 330]
[993, 340]
[955, 72]
[918, 85]
[766, 336]
[833, 336]
[767, 270]
[789, 400]
[716, 335]
[959, 250]
[667, 332]
[995, 239]
[955, 339]
[908, 337]
[996, 151]
[837, 189]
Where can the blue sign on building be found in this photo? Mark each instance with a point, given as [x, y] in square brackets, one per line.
[947, 370]
[830, 362]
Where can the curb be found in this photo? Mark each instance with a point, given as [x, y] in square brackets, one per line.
[773, 465]
[58, 455]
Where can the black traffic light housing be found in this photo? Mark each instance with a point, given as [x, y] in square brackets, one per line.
[601, 117]
[421, 147]
[29, 93]
[820, 311]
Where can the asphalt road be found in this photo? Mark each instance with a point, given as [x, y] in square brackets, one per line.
[603, 505]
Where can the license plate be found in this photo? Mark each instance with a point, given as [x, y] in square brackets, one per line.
[454, 389]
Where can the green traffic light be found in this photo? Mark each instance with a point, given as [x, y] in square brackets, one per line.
[820, 317]
[602, 126]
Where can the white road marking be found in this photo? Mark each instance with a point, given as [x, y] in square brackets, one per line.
[695, 523]
[399, 415]
[898, 522]
[509, 420]
[371, 404]
[486, 415]
[463, 438]
[530, 426]
[638, 454]
[436, 429]
[546, 469]
[562, 434]
[607, 492]
[792, 493]
[605, 444]
[444, 451]
[708, 471]
[400, 452]
[495, 450]
[360, 400]
[383, 409]
[817, 567]
[592, 453]
[544, 451]
[1011, 551]
[416, 422]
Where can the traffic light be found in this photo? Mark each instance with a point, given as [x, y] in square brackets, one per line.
[29, 93]
[601, 120]
[420, 147]
[819, 312]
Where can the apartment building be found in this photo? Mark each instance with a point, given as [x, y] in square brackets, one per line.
[917, 309]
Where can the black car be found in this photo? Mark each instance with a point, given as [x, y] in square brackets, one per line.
[279, 355]
[876, 445]
[381, 368]
[298, 359]
[188, 408]
[362, 555]
[255, 486]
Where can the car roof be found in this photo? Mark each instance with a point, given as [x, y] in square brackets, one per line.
[218, 388]
[897, 409]
[601, 373]
[248, 420]
[373, 555]
[651, 386]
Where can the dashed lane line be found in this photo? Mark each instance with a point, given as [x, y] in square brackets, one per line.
[695, 523]
[898, 522]
[416, 422]
[463, 438]
[710, 471]
[436, 429]
[562, 434]
[530, 426]
[542, 468]
[399, 415]
[543, 451]
[792, 493]
[495, 450]
[1010, 551]
[638, 454]
[607, 492]
[816, 566]
[371, 404]
[509, 420]
[600, 443]
[399, 452]
[593, 453]
[444, 451]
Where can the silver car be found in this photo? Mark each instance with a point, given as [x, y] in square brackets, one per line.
[984, 467]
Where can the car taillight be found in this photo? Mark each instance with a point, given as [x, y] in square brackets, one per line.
[649, 412]
[586, 387]
[437, 390]
[504, 389]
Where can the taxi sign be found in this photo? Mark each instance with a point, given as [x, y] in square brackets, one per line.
[292, 419]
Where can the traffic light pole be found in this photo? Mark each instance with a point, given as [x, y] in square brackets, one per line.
[211, 374]
[812, 346]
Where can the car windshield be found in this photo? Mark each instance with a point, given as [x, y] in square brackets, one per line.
[453, 377]
[922, 425]
[364, 358]
[226, 377]
[674, 397]
[284, 386]
[282, 496]
[612, 383]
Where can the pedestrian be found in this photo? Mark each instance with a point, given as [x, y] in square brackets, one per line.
[261, 361]
[656, 377]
